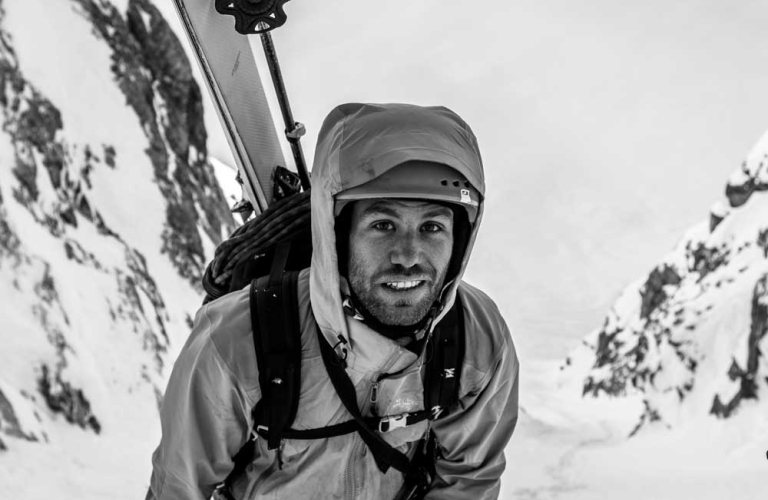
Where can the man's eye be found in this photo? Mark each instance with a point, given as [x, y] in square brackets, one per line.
[383, 226]
[432, 227]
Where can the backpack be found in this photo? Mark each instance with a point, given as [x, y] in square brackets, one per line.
[268, 252]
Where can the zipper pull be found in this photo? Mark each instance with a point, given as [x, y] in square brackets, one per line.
[375, 392]
[280, 454]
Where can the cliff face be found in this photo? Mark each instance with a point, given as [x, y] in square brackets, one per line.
[109, 210]
[690, 338]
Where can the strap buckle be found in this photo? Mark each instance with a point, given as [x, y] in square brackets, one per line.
[255, 431]
[387, 424]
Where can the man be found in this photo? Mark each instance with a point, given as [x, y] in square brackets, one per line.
[397, 197]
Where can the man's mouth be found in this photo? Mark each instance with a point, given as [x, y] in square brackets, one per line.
[402, 285]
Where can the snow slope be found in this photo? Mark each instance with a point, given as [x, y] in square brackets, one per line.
[109, 209]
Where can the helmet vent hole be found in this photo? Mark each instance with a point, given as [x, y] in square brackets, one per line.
[466, 184]
[444, 182]
[456, 183]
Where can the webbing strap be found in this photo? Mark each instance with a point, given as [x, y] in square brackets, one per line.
[320, 432]
[383, 424]
[242, 458]
[383, 453]
[276, 335]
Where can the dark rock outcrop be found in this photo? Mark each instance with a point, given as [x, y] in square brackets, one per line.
[9, 423]
[748, 375]
[762, 241]
[62, 398]
[714, 221]
[9, 242]
[607, 353]
[653, 293]
[704, 259]
[738, 194]
[150, 324]
[649, 415]
[753, 180]
[33, 124]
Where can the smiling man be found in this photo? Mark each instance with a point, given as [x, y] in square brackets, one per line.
[397, 199]
[398, 257]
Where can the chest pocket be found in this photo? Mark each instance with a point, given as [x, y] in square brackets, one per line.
[396, 396]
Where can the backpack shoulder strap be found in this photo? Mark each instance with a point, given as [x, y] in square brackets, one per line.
[444, 367]
[277, 339]
[274, 308]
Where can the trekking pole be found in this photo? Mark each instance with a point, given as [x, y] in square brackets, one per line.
[293, 129]
[261, 17]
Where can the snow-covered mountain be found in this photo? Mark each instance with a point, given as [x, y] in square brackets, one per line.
[689, 339]
[668, 399]
[109, 210]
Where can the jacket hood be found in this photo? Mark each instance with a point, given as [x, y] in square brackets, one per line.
[358, 143]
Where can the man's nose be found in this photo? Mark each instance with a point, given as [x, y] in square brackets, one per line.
[406, 250]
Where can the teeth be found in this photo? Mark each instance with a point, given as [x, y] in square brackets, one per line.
[403, 285]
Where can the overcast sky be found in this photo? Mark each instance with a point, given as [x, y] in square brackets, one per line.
[607, 128]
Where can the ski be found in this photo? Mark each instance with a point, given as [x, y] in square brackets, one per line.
[236, 88]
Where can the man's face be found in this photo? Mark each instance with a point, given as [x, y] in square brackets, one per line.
[399, 251]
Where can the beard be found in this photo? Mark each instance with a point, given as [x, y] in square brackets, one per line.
[391, 307]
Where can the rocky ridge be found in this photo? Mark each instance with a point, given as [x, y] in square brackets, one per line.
[690, 338]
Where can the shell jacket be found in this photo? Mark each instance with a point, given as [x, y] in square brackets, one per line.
[206, 411]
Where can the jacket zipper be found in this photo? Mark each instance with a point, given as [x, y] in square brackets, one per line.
[349, 475]
[375, 384]
[379, 376]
